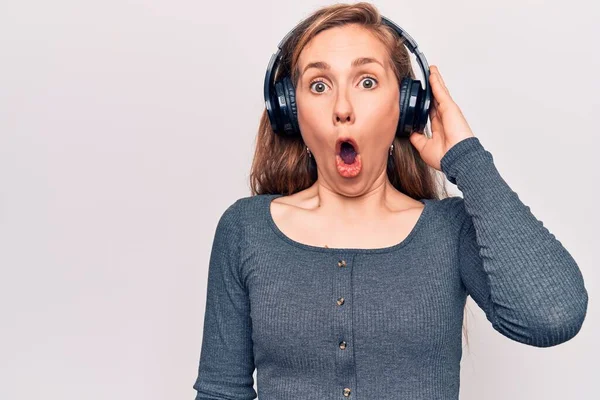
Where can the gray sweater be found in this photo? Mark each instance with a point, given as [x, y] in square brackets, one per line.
[372, 324]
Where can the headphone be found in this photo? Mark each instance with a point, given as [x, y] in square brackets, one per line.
[280, 96]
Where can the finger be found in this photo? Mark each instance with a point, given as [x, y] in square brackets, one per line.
[441, 80]
[439, 74]
[440, 93]
[432, 110]
[434, 117]
[418, 140]
[437, 89]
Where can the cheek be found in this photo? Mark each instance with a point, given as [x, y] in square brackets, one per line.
[380, 111]
[384, 103]
[312, 115]
[380, 116]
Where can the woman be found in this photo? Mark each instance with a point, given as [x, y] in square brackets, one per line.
[345, 274]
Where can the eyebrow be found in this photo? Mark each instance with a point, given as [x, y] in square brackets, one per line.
[357, 62]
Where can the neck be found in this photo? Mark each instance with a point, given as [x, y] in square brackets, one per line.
[353, 202]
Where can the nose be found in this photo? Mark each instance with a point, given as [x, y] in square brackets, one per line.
[342, 111]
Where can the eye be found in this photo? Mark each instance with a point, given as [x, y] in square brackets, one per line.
[368, 79]
[319, 85]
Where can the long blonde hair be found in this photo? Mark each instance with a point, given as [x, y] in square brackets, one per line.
[281, 164]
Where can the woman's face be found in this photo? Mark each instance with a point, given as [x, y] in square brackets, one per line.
[338, 100]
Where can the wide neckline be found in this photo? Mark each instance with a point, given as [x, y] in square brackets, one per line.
[331, 250]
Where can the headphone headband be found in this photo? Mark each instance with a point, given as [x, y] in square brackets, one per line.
[414, 103]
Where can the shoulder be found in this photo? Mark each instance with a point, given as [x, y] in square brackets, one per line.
[243, 211]
[448, 217]
[453, 210]
[241, 222]
[249, 205]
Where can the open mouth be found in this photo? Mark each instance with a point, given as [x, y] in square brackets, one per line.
[347, 158]
[347, 149]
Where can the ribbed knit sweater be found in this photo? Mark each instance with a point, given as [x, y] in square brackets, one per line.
[323, 323]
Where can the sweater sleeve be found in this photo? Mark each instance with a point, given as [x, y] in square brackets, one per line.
[226, 358]
[526, 282]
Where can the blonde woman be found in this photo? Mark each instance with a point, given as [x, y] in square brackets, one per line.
[345, 273]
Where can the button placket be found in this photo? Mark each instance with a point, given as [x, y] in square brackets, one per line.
[342, 289]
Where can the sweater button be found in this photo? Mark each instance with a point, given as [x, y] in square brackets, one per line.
[347, 392]
[340, 301]
[343, 345]
[341, 263]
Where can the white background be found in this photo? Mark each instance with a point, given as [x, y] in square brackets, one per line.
[127, 128]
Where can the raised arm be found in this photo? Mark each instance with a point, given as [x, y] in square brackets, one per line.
[226, 359]
[515, 269]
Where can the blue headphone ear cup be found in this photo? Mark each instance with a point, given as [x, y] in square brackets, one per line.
[411, 95]
[284, 125]
[286, 113]
[290, 93]
[404, 97]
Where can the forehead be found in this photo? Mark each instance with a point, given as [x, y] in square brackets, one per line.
[340, 45]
